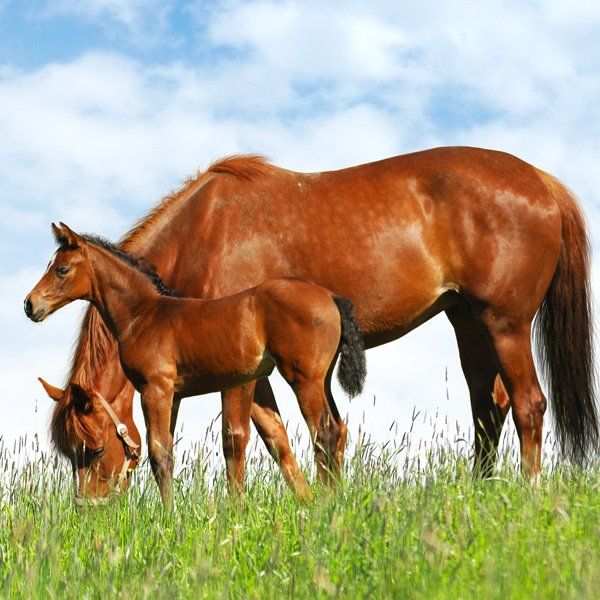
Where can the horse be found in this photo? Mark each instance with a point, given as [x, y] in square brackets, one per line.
[478, 234]
[173, 347]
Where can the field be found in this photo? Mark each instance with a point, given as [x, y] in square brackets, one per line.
[395, 528]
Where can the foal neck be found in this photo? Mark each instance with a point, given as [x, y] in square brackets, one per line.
[119, 291]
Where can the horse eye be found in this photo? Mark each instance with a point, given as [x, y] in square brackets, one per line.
[99, 452]
[62, 271]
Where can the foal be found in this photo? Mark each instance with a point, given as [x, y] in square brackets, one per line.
[171, 347]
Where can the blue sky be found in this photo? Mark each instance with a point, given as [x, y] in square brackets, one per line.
[105, 105]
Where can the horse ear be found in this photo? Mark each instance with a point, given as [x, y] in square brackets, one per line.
[81, 398]
[58, 236]
[70, 238]
[55, 393]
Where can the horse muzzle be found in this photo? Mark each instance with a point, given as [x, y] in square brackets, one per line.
[83, 502]
[35, 311]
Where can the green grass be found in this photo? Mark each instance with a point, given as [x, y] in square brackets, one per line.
[393, 529]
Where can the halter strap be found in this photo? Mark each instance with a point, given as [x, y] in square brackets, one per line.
[123, 433]
[124, 470]
[122, 430]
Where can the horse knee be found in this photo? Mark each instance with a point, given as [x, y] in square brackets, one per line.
[235, 440]
[539, 403]
[161, 459]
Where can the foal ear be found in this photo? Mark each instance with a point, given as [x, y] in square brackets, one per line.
[81, 398]
[67, 236]
[55, 393]
[58, 236]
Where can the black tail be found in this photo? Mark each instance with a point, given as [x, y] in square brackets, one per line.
[352, 369]
[564, 331]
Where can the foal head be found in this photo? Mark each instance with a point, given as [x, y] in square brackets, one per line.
[68, 276]
[103, 451]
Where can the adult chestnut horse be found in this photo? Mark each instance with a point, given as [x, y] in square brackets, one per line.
[479, 234]
[174, 347]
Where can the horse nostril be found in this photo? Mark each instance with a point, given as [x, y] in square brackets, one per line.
[28, 307]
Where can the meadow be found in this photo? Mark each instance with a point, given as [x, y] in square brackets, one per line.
[400, 526]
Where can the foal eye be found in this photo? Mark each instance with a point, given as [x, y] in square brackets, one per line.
[62, 271]
[98, 453]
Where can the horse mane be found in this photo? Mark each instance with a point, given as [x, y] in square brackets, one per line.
[67, 427]
[138, 263]
[94, 343]
[243, 166]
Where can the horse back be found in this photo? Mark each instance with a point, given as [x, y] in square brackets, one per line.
[392, 236]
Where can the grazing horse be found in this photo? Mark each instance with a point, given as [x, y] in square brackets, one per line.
[173, 347]
[480, 235]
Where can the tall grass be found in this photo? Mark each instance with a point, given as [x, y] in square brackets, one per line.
[405, 522]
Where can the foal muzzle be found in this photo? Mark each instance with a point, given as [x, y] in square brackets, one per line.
[36, 312]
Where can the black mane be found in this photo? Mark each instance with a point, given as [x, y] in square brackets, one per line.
[137, 262]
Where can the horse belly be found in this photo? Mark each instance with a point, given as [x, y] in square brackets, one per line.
[195, 379]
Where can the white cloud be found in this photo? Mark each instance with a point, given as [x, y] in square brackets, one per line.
[506, 54]
[289, 37]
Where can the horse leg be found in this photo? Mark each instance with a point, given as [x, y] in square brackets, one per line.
[268, 423]
[341, 445]
[174, 413]
[489, 407]
[511, 339]
[157, 404]
[236, 409]
[324, 429]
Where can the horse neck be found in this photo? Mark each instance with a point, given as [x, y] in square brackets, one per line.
[95, 358]
[120, 292]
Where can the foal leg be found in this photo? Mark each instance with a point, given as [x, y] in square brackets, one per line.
[157, 404]
[236, 409]
[512, 343]
[489, 406]
[324, 429]
[174, 413]
[268, 423]
[341, 445]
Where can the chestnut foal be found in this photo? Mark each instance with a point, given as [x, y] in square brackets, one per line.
[172, 347]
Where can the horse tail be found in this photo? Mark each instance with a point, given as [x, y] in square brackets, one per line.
[353, 363]
[564, 334]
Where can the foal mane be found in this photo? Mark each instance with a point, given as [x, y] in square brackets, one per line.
[133, 261]
[93, 346]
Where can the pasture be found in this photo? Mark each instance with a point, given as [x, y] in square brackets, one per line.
[395, 528]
